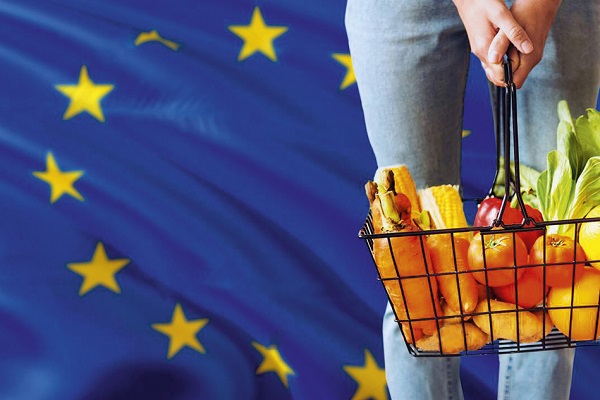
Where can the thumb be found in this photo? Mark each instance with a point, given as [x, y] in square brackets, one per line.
[514, 31]
[498, 47]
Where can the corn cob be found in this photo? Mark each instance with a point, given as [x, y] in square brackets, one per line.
[444, 205]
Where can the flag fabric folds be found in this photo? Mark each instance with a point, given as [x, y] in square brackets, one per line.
[181, 196]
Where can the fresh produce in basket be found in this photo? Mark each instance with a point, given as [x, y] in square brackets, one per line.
[529, 289]
[494, 256]
[488, 210]
[449, 262]
[563, 258]
[586, 292]
[455, 291]
[403, 263]
[589, 237]
[453, 337]
[501, 317]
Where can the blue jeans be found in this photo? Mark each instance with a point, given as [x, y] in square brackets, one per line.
[411, 60]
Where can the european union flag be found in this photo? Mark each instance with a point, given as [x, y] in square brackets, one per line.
[181, 196]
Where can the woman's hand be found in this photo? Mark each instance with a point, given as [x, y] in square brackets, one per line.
[491, 28]
[536, 17]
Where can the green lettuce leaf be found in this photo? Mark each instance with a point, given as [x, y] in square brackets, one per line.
[543, 193]
[568, 144]
[529, 176]
[564, 114]
[570, 187]
[528, 182]
[587, 189]
[555, 187]
[587, 130]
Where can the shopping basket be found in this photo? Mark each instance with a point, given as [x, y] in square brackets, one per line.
[492, 327]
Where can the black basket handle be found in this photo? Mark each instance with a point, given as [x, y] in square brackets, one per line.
[505, 117]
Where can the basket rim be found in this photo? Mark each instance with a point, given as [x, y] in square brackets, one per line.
[542, 225]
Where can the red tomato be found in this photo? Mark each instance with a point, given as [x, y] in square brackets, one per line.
[488, 210]
[529, 289]
[497, 258]
[560, 257]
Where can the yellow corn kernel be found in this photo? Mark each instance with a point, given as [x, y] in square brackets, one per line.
[445, 206]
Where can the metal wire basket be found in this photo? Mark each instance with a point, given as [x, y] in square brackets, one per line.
[486, 317]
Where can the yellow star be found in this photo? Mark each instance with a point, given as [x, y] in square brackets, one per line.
[154, 36]
[370, 378]
[61, 182]
[272, 362]
[465, 133]
[181, 332]
[346, 61]
[257, 36]
[85, 96]
[99, 271]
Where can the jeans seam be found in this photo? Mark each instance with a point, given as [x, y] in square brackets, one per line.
[450, 378]
[506, 394]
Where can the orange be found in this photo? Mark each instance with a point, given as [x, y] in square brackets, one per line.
[530, 290]
[589, 237]
[586, 292]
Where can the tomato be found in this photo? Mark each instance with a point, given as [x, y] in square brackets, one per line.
[487, 212]
[561, 253]
[529, 289]
[497, 258]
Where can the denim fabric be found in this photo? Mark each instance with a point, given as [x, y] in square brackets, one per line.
[411, 60]
[412, 378]
[536, 375]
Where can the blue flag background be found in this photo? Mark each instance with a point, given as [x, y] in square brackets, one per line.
[182, 188]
